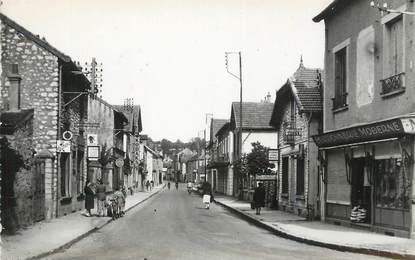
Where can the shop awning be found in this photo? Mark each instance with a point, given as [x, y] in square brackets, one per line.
[391, 128]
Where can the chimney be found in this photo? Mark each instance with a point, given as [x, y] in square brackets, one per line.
[268, 98]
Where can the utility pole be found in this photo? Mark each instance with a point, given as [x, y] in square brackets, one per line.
[240, 101]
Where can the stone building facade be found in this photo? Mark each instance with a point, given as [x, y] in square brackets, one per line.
[35, 77]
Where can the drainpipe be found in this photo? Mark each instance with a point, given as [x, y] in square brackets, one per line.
[308, 168]
[58, 155]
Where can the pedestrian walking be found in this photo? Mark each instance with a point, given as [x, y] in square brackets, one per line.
[168, 185]
[207, 194]
[147, 185]
[89, 198]
[152, 184]
[101, 197]
[259, 198]
[177, 185]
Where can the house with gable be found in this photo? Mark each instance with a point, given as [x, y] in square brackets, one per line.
[38, 110]
[297, 115]
[255, 128]
[131, 145]
[219, 149]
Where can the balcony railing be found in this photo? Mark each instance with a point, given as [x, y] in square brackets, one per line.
[339, 101]
[393, 84]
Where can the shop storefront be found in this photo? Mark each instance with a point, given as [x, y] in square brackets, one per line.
[367, 175]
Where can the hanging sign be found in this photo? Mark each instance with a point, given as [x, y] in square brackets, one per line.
[92, 139]
[63, 146]
[93, 152]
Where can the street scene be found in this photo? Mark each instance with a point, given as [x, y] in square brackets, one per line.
[207, 130]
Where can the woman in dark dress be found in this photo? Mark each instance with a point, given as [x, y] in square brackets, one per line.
[89, 198]
[259, 198]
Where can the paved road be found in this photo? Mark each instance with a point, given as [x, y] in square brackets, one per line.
[174, 225]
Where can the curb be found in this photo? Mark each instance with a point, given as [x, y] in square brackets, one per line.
[342, 248]
[80, 237]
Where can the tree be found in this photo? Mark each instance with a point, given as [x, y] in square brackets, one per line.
[257, 160]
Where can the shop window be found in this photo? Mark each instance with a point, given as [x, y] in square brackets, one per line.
[340, 76]
[285, 175]
[300, 176]
[392, 185]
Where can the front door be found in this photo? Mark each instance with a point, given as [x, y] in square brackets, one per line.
[39, 191]
[361, 197]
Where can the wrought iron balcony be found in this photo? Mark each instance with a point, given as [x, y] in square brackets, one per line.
[393, 84]
[339, 101]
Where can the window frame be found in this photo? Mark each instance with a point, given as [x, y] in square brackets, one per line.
[343, 46]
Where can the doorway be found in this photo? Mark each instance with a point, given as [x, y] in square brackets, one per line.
[361, 197]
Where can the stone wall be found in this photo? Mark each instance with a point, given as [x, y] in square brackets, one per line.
[21, 141]
[39, 74]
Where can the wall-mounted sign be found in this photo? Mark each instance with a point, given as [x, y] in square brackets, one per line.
[381, 130]
[93, 152]
[67, 135]
[92, 139]
[408, 125]
[272, 155]
[63, 146]
[88, 124]
[272, 177]
[293, 131]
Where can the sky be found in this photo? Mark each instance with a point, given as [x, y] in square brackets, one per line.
[169, 55]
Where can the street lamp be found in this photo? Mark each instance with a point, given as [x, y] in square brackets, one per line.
[240, 96]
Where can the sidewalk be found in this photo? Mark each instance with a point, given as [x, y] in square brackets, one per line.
[321, 234]
[47, 237]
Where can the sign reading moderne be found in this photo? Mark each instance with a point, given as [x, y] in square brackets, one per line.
[381, 130]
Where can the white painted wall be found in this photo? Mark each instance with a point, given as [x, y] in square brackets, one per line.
[267, 139]
[149, 162]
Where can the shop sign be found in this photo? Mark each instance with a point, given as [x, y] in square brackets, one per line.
[93, 153]
[293, 131]
[63, 146]
[408, 125]
[266, 177]
[88, 124]
[272, 155]
[375, 131]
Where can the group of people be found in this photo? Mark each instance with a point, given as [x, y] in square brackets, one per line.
[149, 185]
[98, 190]
[257, 203]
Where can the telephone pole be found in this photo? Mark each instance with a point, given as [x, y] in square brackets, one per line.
[240, 99]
